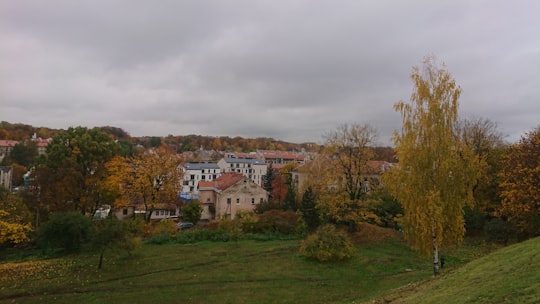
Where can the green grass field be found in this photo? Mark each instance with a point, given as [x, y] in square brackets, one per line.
[274, 272]
[508, 275]
[233, 272]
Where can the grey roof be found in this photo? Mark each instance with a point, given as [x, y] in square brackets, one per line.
[200, 166]
[252, 161]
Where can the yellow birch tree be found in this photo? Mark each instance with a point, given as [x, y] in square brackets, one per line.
[436, 172]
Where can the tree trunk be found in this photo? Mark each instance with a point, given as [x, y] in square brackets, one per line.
[101, 259]
[435, 255]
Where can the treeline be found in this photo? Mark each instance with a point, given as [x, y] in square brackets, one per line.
[183, 143]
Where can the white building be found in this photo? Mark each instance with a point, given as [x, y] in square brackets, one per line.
[254, 169]
[195, 172]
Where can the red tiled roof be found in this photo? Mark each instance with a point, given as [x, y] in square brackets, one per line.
[223, 182]
[8, 143]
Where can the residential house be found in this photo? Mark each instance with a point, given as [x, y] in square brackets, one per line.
[193, 174]
[6, 176]
[252, 168]
[6, 146]
[230, 193]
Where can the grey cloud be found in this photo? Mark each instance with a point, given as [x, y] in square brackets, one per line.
[289, 70]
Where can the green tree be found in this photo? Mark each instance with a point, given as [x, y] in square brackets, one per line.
[309, 210]
[24, 153]
[269, 180]
[70, 177]
[436, 172]
[520, 189]
[111, 233]
[192, 211]
[66, 231]
[290, 199]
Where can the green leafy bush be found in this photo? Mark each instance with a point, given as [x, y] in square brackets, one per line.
[327, 244]
[191, 212]
[66, 231]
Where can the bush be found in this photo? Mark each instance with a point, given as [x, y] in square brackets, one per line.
[498, 230]
[194, 236]
[327, 244]
[66, 231]
[191, 212]
[276, 221]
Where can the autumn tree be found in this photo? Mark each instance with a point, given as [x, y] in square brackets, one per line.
[150, 179]
[70, 177]
[14, 218]
[436, 172]
[349, 148]
[520, 189]
[482, 136]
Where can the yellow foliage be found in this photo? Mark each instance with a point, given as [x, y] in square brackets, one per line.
[520, 184]
[436, 171]
[12, 232]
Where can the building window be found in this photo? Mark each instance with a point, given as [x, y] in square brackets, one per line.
[238, 201]
[253, 201]
[228, 200]
[203, 177]
[262, 201]
[125, 212]
[202, 171]
[192, 176]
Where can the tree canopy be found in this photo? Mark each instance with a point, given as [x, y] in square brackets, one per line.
[436, 171]
[520, 185]
[70, 177]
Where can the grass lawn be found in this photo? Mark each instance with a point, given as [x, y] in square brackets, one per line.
[508, 275]
[233, 272]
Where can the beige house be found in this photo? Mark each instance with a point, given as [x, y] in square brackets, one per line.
[371, 179]
[6, 176]
[230, 193]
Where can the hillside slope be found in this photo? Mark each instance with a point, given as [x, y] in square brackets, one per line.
[509, 275]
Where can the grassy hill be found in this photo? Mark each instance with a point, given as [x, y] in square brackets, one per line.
[509, 275]
[274, 272]
[233, 272]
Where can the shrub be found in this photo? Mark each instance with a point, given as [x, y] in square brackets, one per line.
[498, 230]
[193, 236]
[66, 231]
[191, 212]
[276, 221]
[327, 244]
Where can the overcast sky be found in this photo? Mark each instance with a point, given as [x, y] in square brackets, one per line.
[291, 70]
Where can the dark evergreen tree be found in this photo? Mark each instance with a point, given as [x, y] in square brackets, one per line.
[309, 210]
[290, 199]
[268, 180]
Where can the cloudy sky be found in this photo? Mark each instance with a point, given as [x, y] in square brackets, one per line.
[291, 69]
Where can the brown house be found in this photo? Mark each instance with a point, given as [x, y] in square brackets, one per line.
[230, 193]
